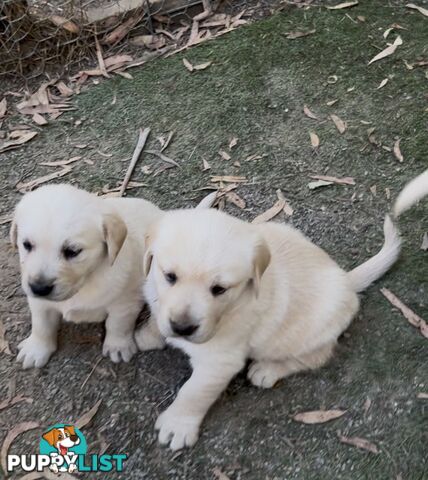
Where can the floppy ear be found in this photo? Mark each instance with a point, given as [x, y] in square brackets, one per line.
[13, 234]
[70, 429]
[115, 232]
[50, 437]
[261, 261]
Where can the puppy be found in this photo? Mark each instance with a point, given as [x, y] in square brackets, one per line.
[81, 259]
[224, 291]
[62, 439]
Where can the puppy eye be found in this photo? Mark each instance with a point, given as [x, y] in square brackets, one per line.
[217, 290]
[171, 277]
[70, 252]
[59, 437]
[27, 245]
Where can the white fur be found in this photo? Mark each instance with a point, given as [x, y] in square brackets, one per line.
[411, 193]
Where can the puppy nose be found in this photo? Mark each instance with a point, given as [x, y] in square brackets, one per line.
[183, 329]
[41, 287]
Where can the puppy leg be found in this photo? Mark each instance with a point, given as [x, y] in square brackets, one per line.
[179, 424]
[148, 337]
[119, 343]
[36, 350]
[265, 373]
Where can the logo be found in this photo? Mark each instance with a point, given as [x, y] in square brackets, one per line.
[63, 448]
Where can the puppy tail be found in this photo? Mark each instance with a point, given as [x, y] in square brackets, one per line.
[365, 274]
[411, 193]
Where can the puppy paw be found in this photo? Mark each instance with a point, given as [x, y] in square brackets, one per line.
[72, 468]
[177, 431]
[35, 352]
[147, 339]
[265, 374]
[119, 348]
[53, 467]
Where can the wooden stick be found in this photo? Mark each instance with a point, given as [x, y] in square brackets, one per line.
[137, 152]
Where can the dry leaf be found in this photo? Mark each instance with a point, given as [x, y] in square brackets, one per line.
[382, 83]
[219, 474]
[294, 35]
[206, 165]
[340, 124]
[387, 32]
[422, 395]
[202, 66]
[187, 64]
[4, 344]
[318, 416]
[233, 142]
[224, 155]
[315, 141]
[122, 30]
[359, 443]
[125, 75]
[361, 18]
[253, 157]
[10, 437]
[163, 157]
[387, 193]
[397, 151]
[373, 190]
[422, 10]
[340, 181]
[288, 209]
[388, 50]
[3, 107]
[88, 416]
[11, 144]
[343, 5]
[60, 163]
[116, 61]
[64, 23]
[63, 89]
[234, 198]
[424, 245]
[270, 213]
[413, 318]
[9, 402]
[228, 179]
[308, 113]
[319, 183]
[331, 102]
[28, 186]
[39, 119]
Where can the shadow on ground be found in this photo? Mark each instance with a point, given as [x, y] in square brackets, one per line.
[255, 90]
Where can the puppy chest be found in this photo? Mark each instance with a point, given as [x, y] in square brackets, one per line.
[77, 315]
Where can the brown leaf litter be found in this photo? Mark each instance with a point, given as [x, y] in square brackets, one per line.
[360, 443]
[318, 416]
[387, 51]
[343, 5]
[340, 181]
[19, 429]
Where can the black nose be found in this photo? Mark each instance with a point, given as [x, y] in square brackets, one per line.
[73, 438]
[41, 288]
[183, 329]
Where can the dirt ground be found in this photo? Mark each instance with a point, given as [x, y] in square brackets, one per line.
[254, 90]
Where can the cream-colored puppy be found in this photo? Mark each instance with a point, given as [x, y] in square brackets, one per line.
[81, 259]
[224, 291]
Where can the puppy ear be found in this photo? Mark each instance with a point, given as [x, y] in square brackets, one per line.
[262, 258]
[49, 437]
[70, 429]
[13, 234]
[115, 231]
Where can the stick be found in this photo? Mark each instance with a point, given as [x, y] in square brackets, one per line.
[137, 152]
[90, 373]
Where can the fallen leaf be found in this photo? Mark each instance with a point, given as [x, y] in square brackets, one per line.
[331, 102]
[220, 475]
[422, 10]
[206, 165]
[253, 157]
[340, 181]
[340, 124]
[270, 213]
[64, 23]
[9, 402]
[11, 144]
[39, 119]
[202, 66]
[63, 89]
[315, 141]
[233, 142]
[224, 155]
[234, 198]
[60, 163]
[11, 436]
[319, 183]
[187, 64]
[382, 83]
[397, 151]
[4, 344]
[359, 443]
[318, 416]
[308, 113]
[361, 18]
[387, 193]
[126, 75]
[388, 50]
[116, 61]
[387, 32]
[422, 395]
[288, 209]
[3, 107]
[80, 146]
[413, 318]
[163, 157]
[88, 416]
[122, 30]
[228, 179]
[373, 190]
[28, 186]
[424, 245]
[294, 35]
[343, 5]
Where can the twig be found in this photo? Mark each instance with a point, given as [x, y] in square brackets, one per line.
[90, 373]
[100, 58]
[137, 152]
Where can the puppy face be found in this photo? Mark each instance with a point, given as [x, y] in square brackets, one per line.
[204, 264]
[62, 438]
[63, 235]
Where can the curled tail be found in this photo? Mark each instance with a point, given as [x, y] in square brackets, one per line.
[366, 273]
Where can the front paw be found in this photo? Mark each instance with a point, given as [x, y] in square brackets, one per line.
[72, 468]
[35, 352]
[53, 467]
[148, 338]
[177, 430]
[119, 348]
